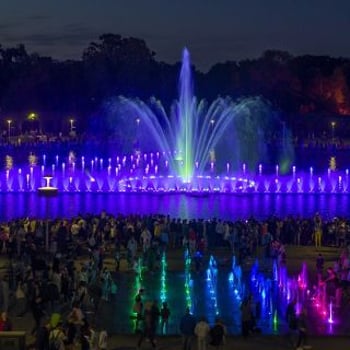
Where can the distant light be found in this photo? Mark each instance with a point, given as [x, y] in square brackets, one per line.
[32, 116]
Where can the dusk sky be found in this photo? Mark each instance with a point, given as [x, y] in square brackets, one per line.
[213, 30]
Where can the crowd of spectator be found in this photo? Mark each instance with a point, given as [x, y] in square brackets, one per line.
[43, 282]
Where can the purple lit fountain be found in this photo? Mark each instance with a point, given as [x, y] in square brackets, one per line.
[198, 147]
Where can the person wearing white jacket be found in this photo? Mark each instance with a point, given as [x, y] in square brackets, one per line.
[202, 332]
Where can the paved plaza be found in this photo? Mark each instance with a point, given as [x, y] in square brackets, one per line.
[127, 340]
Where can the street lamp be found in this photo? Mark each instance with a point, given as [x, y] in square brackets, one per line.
[47, 191]
[333, 124]
[71, 121]
[9, 121]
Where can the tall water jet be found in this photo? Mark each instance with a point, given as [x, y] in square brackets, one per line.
[184, 140]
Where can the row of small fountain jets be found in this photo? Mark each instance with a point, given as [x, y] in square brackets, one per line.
[149, 174]
[272, 288]
[262, 288]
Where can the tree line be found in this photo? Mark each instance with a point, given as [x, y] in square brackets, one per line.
[116, 65]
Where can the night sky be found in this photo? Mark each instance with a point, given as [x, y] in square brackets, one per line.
[213, 30]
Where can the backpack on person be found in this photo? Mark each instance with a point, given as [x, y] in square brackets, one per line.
[216, 334]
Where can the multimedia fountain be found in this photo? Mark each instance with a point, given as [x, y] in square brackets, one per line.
[197, 148]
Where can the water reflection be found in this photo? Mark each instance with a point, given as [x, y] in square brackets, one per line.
[176, 205]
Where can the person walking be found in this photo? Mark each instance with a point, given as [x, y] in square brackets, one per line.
[187, 327]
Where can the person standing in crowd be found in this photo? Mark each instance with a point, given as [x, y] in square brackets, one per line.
[155, 313]
[292, 321]
[5, 323]
[217, 334]
[145, 239]
[20, 299]
[202, 332]
[164, 318]
[117, 255]
[318, 230]
[42, 336]
[246, 316]
[138, 309]
[86, 335]
[302, 342]
[132, 249]
[36, 306]
[75, 322]
[187, 327]
[150, 321]
[4, 293]
[102, 340]
[57, 338]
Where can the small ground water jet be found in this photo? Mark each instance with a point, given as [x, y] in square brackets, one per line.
[330, 312]
[122, 174]
[212, 272]
[188, 280]
[163, 279]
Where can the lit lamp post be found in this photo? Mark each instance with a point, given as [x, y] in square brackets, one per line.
[71, 121]
[333, 124]
[9, 121]
[47, 191]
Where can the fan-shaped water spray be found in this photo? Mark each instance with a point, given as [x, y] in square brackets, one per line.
[197, 136]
